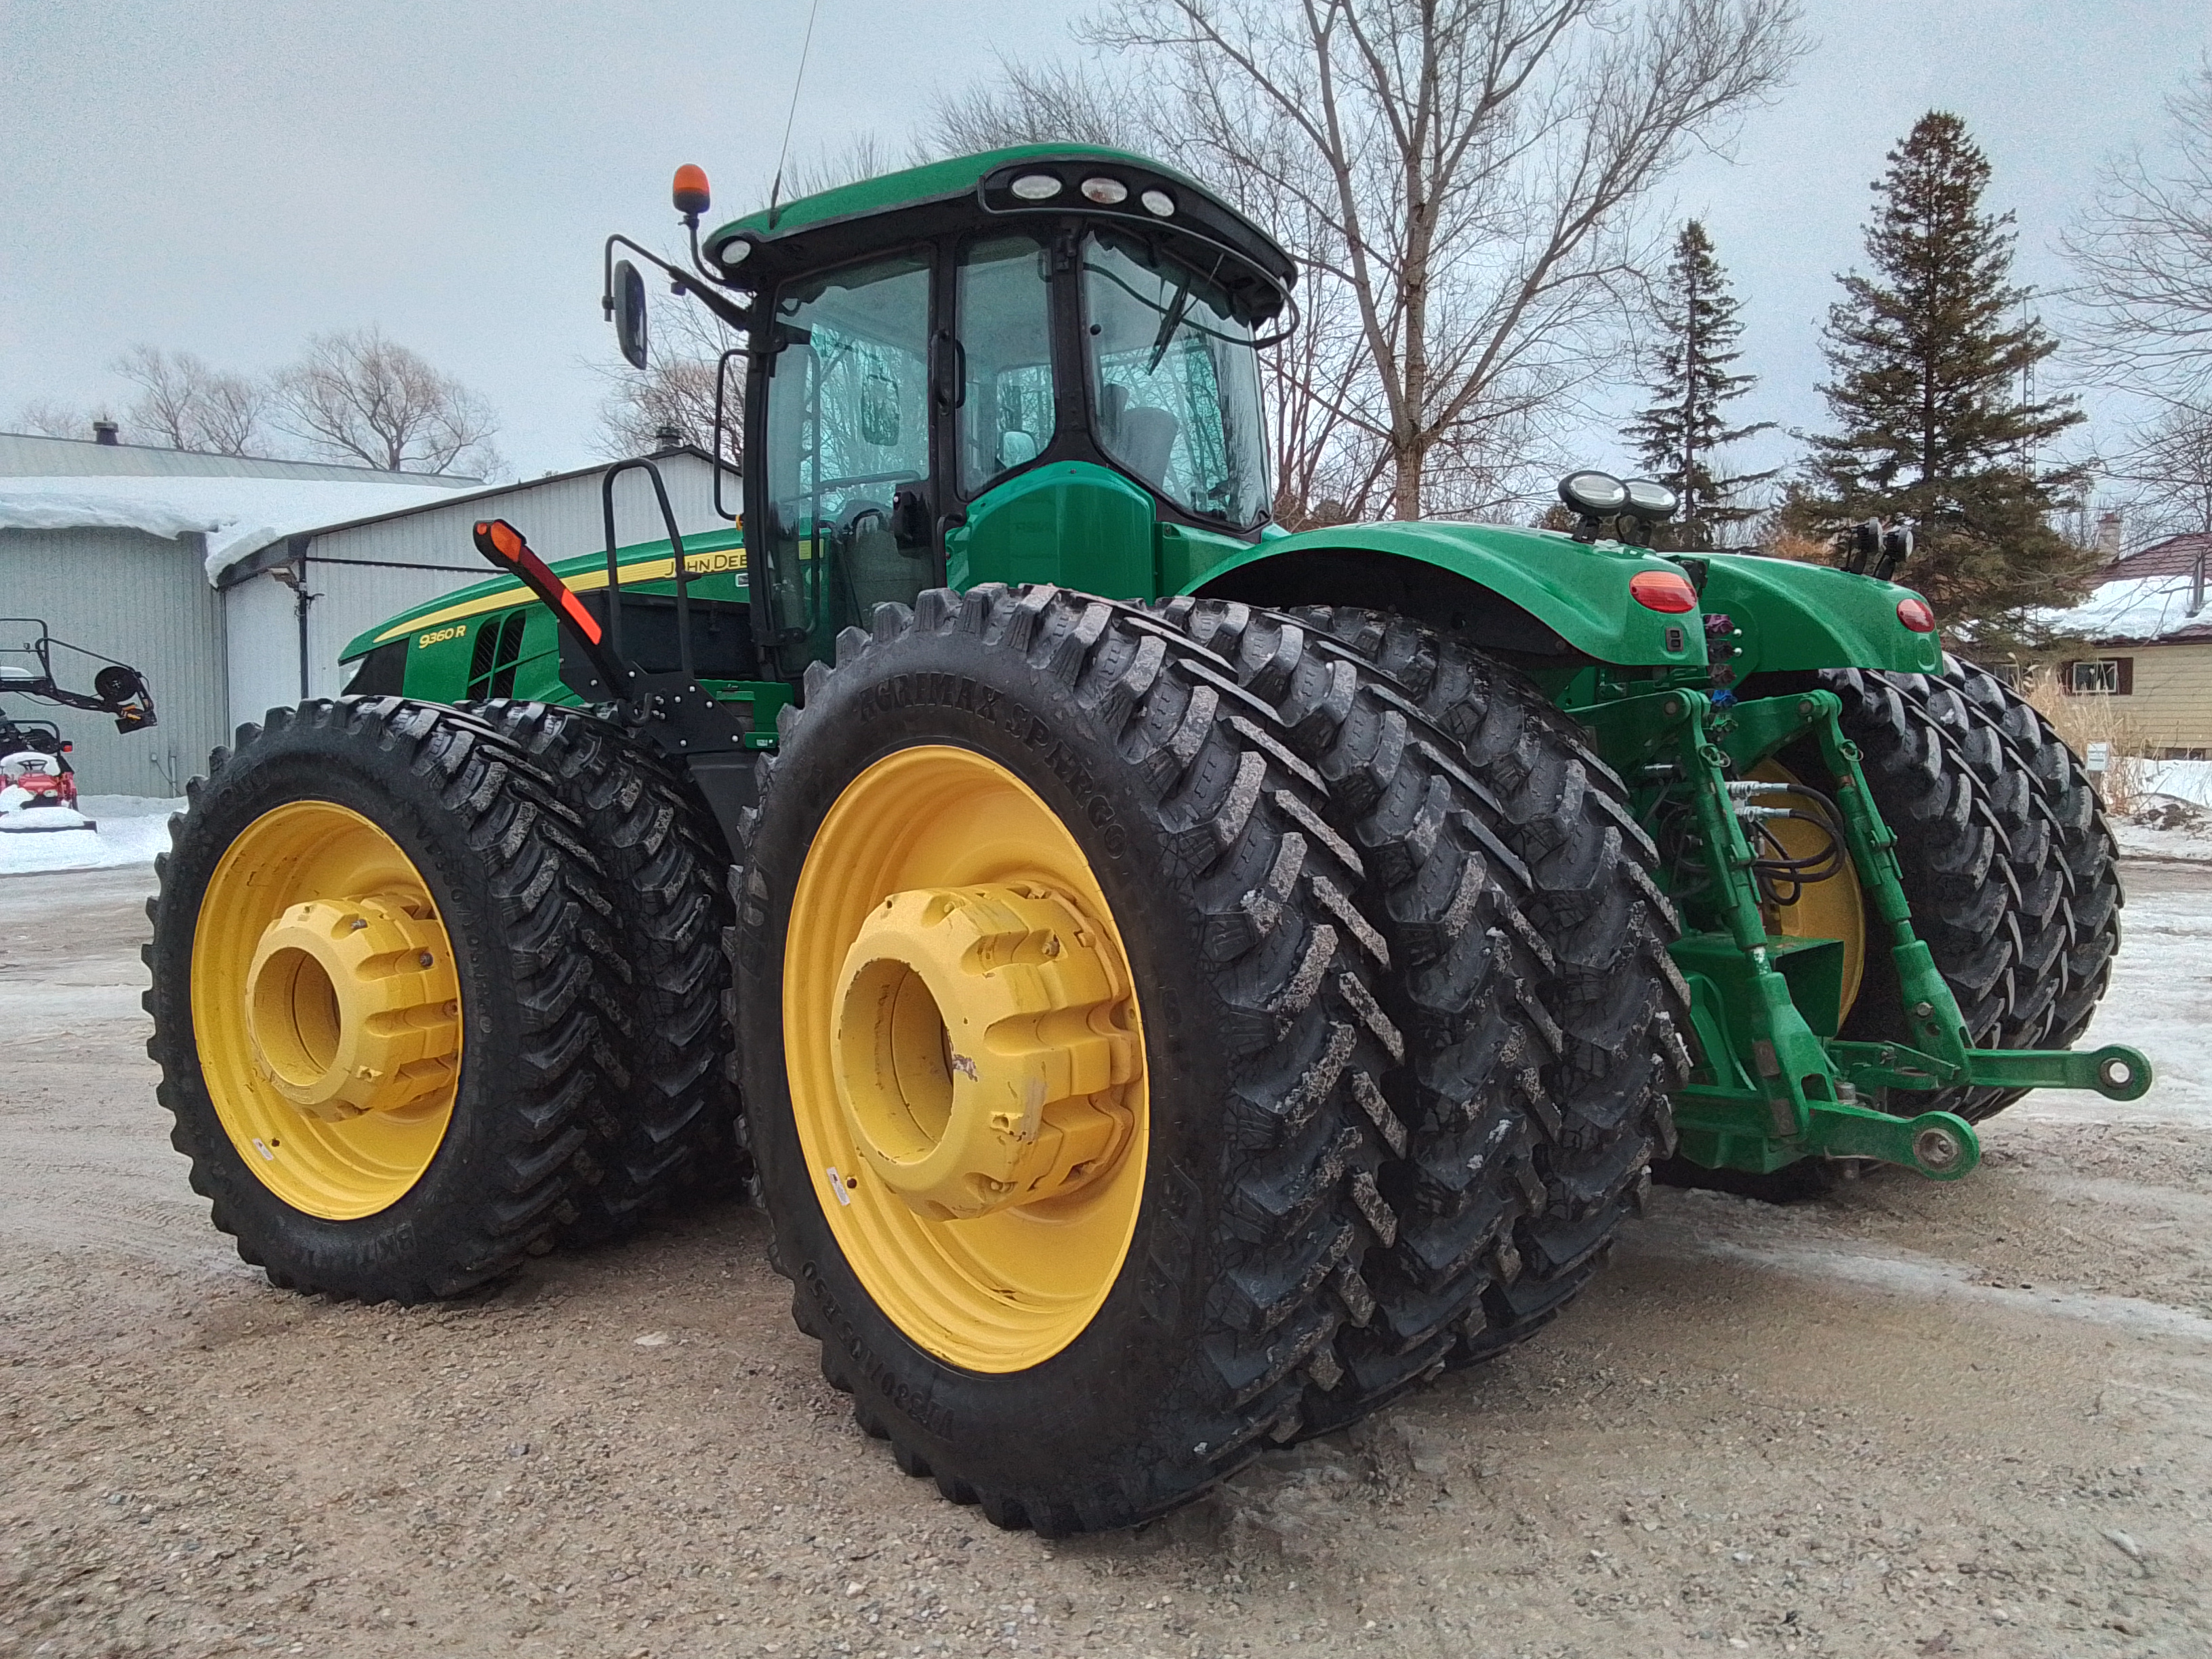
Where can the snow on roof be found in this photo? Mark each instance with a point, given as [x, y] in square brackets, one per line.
[237, 515]
[2143, 597]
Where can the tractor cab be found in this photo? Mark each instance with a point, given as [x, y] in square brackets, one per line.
[951, 369]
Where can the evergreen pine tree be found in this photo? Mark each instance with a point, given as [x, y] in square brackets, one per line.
[1928, 355]
[1677, 438]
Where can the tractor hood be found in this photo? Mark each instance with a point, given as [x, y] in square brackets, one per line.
[714, 562]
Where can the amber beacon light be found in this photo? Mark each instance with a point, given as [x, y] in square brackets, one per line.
[690, 191]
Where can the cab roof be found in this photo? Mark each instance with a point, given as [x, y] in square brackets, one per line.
[980, 181]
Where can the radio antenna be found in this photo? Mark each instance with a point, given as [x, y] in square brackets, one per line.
[775, 189]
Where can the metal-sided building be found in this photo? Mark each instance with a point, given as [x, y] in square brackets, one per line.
[233, 583]
[300, 599]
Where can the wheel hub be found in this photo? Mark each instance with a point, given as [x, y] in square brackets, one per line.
[984, 1045]
[352, 1006]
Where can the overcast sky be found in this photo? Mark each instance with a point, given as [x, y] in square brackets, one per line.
[228, 178]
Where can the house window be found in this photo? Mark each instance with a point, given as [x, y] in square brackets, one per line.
[2112, 677]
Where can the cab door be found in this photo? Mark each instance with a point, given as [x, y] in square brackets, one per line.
[849, 497]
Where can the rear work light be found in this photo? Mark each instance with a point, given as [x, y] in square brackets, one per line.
[1666, 591]
[1912, 610]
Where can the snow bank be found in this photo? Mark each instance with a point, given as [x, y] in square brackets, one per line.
[121, 839]
[2139, 840]
[2183, 779]
[237, 515]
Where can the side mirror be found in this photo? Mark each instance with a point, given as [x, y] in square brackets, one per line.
[630, 313]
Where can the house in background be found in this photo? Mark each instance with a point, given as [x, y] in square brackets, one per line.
[2148, 633]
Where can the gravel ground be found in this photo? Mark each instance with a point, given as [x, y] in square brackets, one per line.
[1906, 1419]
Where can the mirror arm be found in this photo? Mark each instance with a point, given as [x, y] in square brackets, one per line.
[699, 265]
[680, 282]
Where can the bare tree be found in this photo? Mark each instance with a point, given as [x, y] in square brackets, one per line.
[2143, 254]
[2167, 473]
[1473, 169]
[183, 403]
[46, 418]
[358, 396]
[1044, 104]
[675, 394]
[861, 157]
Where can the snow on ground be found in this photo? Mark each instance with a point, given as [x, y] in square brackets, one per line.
[132, 830]
[2183, 779]
[2160, 1002]
[2186, 837]
[237, 515]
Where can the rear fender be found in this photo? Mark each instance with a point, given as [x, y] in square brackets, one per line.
[1791, 616]
[1534, 593]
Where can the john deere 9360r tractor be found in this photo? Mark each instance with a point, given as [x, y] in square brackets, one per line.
[1185, 983]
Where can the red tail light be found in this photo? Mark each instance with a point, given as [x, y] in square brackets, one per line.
[1666, 591]
[1912, 610]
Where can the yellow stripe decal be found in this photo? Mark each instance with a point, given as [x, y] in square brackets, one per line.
[695, 565]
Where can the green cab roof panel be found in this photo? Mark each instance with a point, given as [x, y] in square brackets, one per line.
[935, 181]
[714, 562]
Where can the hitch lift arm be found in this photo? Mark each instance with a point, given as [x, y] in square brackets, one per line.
[1772, 1088]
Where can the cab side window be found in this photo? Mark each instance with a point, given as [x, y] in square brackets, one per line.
[1007, 412]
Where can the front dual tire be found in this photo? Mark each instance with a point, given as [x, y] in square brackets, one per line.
[377, 999]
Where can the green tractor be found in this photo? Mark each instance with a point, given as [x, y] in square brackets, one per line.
[1186, 983]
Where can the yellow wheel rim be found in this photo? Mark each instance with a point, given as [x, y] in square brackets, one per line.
[966, 1058]
[327, 1010]
[1835, 909]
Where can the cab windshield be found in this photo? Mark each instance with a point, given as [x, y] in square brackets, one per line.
[1174, 380]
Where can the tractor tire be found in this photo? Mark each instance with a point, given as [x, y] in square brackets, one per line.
[377, 997]
[1620, 1006]
[2060, 852]
[1467, 1104]
[667, 1128]
[1088, 796]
